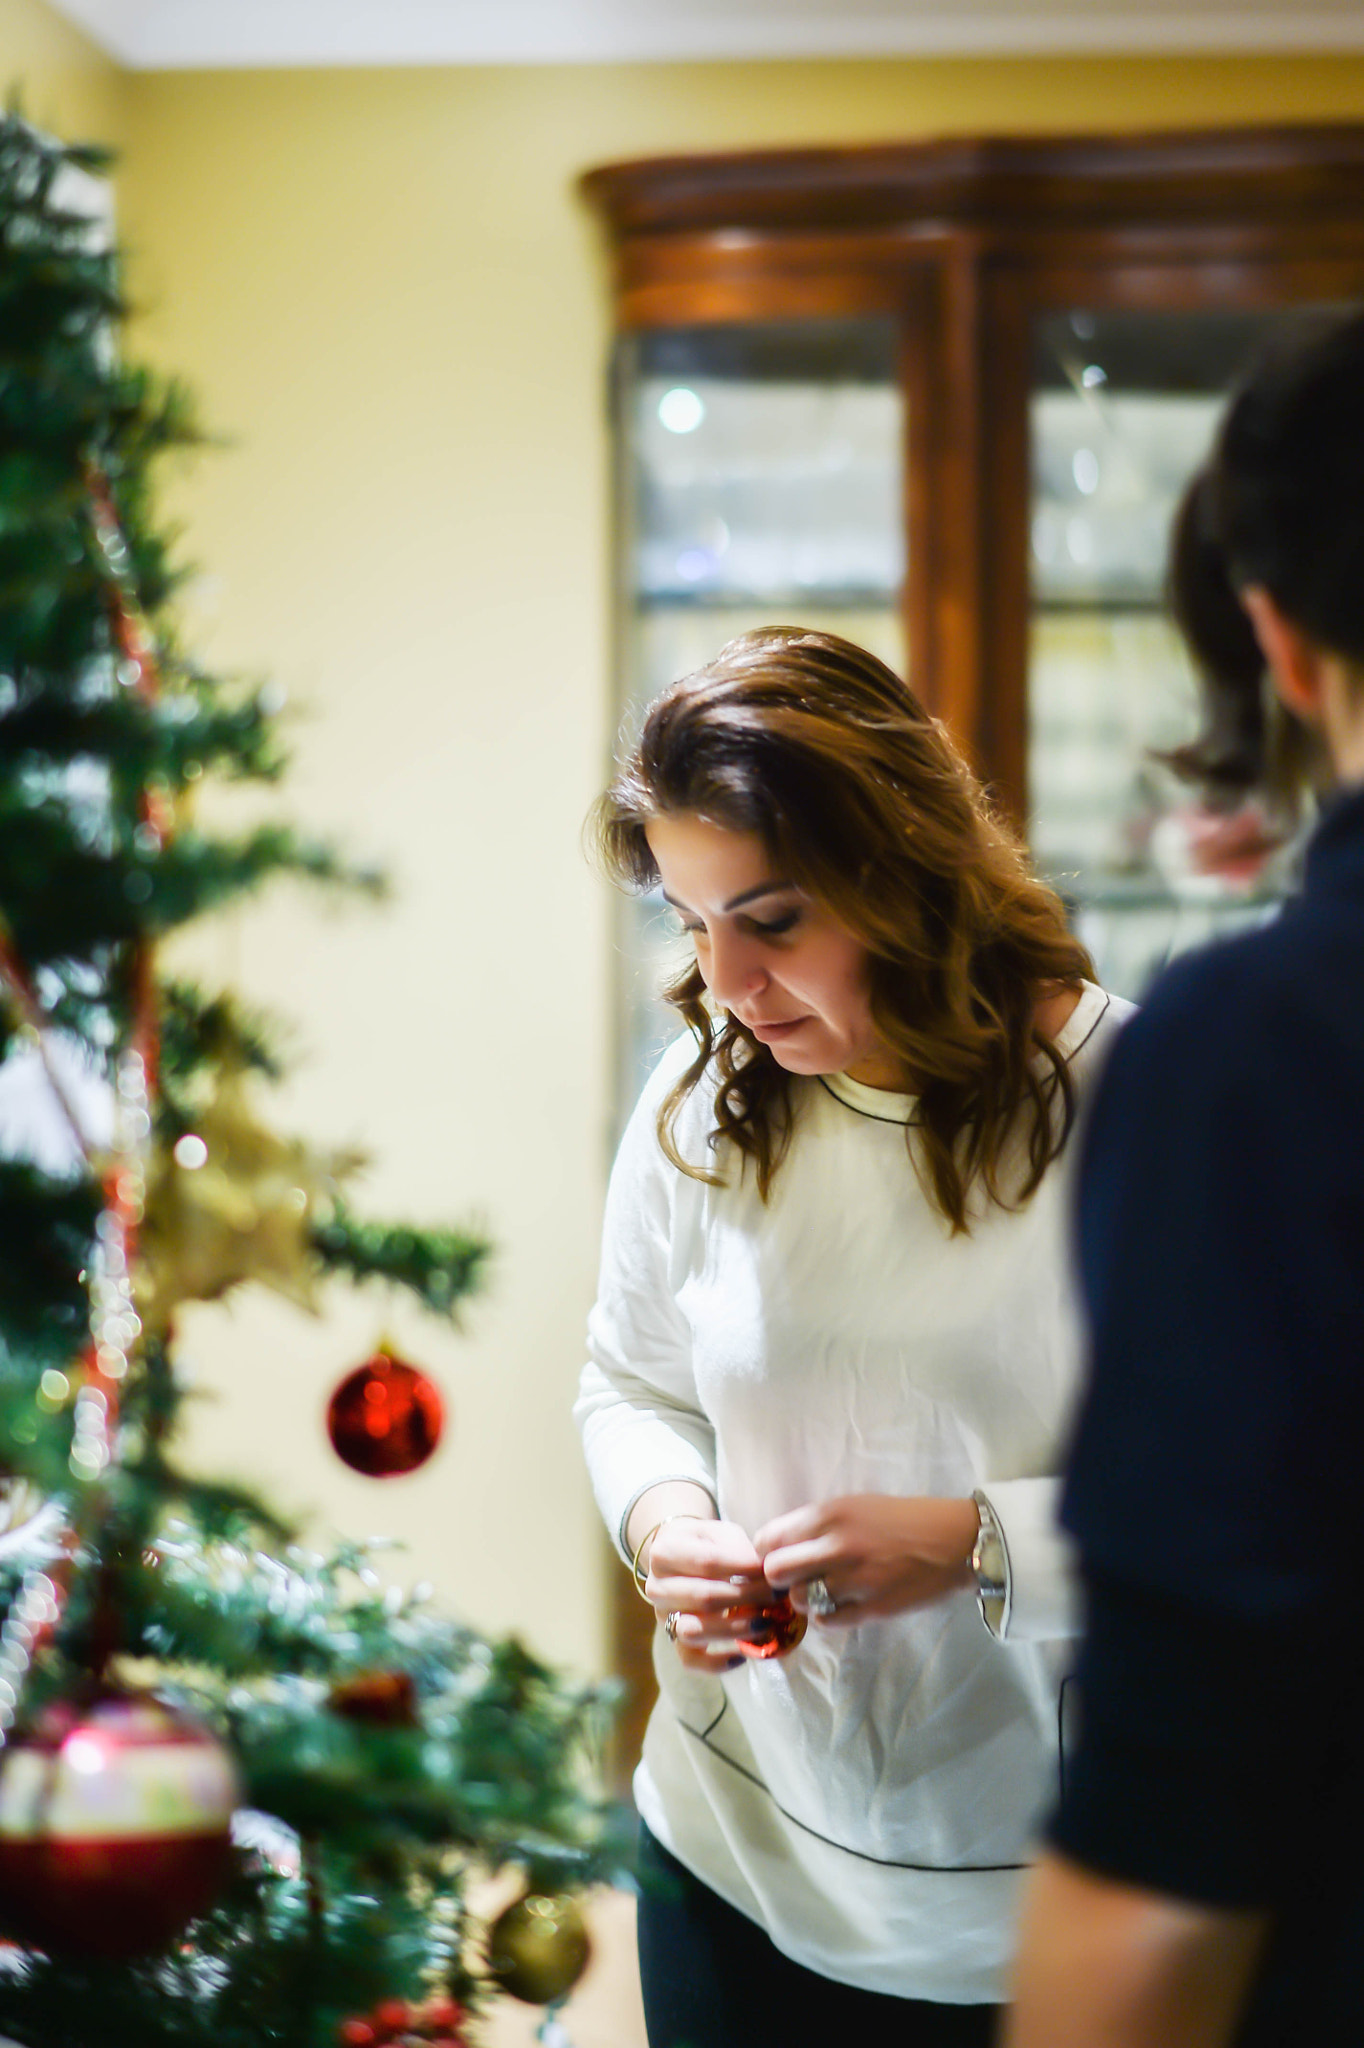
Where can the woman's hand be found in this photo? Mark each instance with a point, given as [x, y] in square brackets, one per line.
[877, 1554]
[697, 1570]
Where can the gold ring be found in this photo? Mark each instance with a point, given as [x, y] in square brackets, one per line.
[670, 1626]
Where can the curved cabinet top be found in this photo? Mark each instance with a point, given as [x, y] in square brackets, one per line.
[1251, 174]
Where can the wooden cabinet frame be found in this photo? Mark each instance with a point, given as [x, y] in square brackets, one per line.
[965, 243]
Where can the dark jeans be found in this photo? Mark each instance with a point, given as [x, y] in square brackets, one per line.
[712, 1979]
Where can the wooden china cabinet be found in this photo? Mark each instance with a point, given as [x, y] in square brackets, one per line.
[942, 398]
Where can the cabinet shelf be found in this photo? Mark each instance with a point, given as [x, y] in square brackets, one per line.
[1145, 895]
[1146, 605]
[829, 597]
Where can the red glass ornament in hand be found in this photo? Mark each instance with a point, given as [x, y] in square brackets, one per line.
[385, 1418]
[776, 1627]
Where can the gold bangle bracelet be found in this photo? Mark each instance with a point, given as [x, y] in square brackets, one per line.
[636, 1574]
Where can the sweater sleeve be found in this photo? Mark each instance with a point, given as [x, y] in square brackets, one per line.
[637, 1406]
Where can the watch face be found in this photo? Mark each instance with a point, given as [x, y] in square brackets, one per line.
[990, 1573]
[992, 1612]
[990, 1563]
[987, 1559]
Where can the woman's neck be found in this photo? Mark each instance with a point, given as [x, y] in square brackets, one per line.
[883, 1070]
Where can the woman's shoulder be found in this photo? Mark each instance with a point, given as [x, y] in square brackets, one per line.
[671, 1064]
[693, 1117]
[1093, 1024]
[671, 1059]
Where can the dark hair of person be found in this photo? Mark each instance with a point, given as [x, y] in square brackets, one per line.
[864, 804]
[1278, 504]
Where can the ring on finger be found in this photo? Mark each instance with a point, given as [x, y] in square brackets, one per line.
[819, 1600]
[670, 1626]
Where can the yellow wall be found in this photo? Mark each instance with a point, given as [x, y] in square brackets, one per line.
[69, 86]
[385, 292]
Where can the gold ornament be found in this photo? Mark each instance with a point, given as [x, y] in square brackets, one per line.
[232, 1202]
[538, 1947]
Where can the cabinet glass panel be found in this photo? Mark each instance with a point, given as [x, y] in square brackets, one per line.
[760, 483]
[1124, 408]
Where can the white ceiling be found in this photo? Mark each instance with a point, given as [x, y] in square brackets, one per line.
[196, 34]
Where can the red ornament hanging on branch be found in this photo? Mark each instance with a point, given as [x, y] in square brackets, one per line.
[438, 2023]
[114, 1826]
[385, 1418]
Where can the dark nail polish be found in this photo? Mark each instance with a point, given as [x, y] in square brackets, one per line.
[773, 1627]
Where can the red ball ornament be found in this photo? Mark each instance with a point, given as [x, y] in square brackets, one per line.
[385, 1417]
[114, 1826]
[391, 2015]
[394, 2023]
[444, 2013]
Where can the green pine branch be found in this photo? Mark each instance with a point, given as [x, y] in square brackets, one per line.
[439, 1267]
[200, 1031]
[392, 1749]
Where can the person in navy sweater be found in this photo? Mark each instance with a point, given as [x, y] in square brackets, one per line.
[1201, 1883]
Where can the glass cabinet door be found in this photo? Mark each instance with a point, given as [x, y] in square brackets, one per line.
[761, 483]
[1123, 410]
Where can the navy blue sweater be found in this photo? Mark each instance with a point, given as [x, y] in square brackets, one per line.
[1218, 1469]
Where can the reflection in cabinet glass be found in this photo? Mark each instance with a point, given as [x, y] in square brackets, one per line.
[761, 483]
[1123, 411]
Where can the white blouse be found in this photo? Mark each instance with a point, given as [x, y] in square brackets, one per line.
[868, 1799]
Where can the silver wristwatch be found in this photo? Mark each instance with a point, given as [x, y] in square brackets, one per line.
[990, 1563]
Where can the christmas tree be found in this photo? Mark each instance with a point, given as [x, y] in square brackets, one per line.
[243, 1787]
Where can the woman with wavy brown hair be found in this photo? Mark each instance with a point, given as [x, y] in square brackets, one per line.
[832, 1353]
